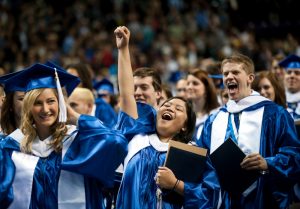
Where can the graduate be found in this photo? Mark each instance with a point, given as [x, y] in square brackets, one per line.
[150, 131]
[49, 164]
[292, 83]
[104, 109]
[263, 130]
[12, 105]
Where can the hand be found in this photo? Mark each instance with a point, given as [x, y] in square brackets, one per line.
[122, 36]
[165, 178]
[254, 162]
[72, 115]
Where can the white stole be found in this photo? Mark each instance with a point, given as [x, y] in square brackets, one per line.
[249, 132]
[140, 142]
[71, 190]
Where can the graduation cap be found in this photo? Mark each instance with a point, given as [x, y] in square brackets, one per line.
[9, 86]
[291, 61]
[70, 86]
[104, 86]
[216, 76]
[43, 76]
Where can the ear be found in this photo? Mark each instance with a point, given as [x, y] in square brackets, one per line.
[158, 95]
[251, 78]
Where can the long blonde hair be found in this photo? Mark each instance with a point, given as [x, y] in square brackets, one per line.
[58, 129]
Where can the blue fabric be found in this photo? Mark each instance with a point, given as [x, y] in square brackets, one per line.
[40, 76]
[138, 187]
[105, 113]
[280, 147]
[146, 123]
[95, 153]
[293, 106]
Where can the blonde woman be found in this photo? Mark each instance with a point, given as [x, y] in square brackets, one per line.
[48, 164]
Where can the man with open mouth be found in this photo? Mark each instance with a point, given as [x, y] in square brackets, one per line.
[263, 130]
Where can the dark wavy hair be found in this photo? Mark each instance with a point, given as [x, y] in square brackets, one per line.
[187, 135]
[84, 74]
[8, 123]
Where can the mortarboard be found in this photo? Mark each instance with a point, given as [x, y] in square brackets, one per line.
[104, 86]
[216, 76]
[43, 76]
[9, 86]
[291, 61]
[70, 86]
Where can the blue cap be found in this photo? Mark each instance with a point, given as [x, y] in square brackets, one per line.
[8, 86]
[69, 86]
[291, 61]
[39, 76]
[104, 86]
[216, 76]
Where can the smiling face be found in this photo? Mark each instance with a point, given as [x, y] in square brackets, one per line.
[144, 91]
[171, 118]
[195, 88]
[266, 89]
[292, 80]
[45, 110]
[237, 80]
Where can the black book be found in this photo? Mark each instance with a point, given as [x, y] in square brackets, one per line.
[187, 163]
[227, 159]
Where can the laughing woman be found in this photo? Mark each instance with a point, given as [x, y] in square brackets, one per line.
[150, 132]
[48, 164]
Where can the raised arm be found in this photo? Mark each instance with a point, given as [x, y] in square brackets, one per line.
[125, 76]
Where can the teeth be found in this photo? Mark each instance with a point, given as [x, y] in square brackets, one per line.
[232, 85]
[167, 116]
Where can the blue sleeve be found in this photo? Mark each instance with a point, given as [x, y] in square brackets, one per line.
[145, 123]
[105, 113]
[285, 161]
[7, 173]
[96, 151]
[205, 194]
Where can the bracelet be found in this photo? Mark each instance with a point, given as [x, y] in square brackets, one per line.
[174, 187]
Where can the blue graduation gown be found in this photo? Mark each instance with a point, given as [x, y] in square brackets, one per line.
[105, 112]
[138, 187]
[279, 146]
[86, 165]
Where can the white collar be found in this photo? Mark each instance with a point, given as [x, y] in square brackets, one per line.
[291, 98]
[157, 144]
[42, 148]
[17, 135]
[253, 99]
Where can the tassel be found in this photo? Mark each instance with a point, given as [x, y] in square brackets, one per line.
[61, 101]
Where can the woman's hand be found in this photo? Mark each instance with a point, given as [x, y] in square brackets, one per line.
[122, 37]
[73, 116]
[165, 178]
[254, 162]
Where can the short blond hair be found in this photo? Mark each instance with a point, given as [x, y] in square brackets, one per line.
[248, 65]
[85, 94]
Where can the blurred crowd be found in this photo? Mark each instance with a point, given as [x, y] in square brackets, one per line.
[172, 36]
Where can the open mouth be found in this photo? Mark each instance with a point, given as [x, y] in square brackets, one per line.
[232, 86]
[167, 116]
